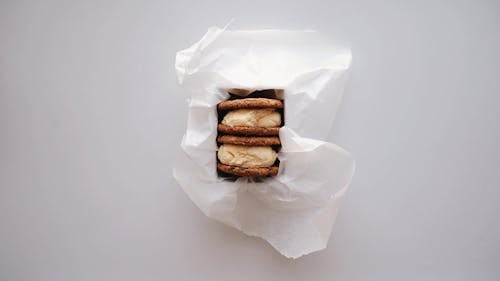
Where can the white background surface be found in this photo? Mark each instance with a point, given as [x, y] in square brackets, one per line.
[91, 115]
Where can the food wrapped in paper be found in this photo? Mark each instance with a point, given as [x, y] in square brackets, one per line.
[294, 210]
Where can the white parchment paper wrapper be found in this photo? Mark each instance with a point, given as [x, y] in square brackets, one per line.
[295, 210]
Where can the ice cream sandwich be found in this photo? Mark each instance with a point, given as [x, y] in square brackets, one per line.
[248, 136]
[251, 116]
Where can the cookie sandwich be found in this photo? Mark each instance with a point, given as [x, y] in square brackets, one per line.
[248, 136]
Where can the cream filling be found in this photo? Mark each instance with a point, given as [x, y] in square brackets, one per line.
[246, 156]
[266, 118]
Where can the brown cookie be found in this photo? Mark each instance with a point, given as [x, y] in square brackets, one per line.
[239, 92]
[250, 103]
[250, 141]
[248, 172]
[248, 131]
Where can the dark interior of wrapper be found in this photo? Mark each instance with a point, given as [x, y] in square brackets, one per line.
[242, 94]
[236, 94]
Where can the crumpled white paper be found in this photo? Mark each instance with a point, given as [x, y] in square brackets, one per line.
[295, 210]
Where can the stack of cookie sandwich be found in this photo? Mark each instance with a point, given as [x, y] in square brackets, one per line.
[248, 136]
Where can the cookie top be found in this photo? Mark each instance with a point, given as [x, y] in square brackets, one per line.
[248, 131]
[250, 103]
[248, 172]
[249, 141]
